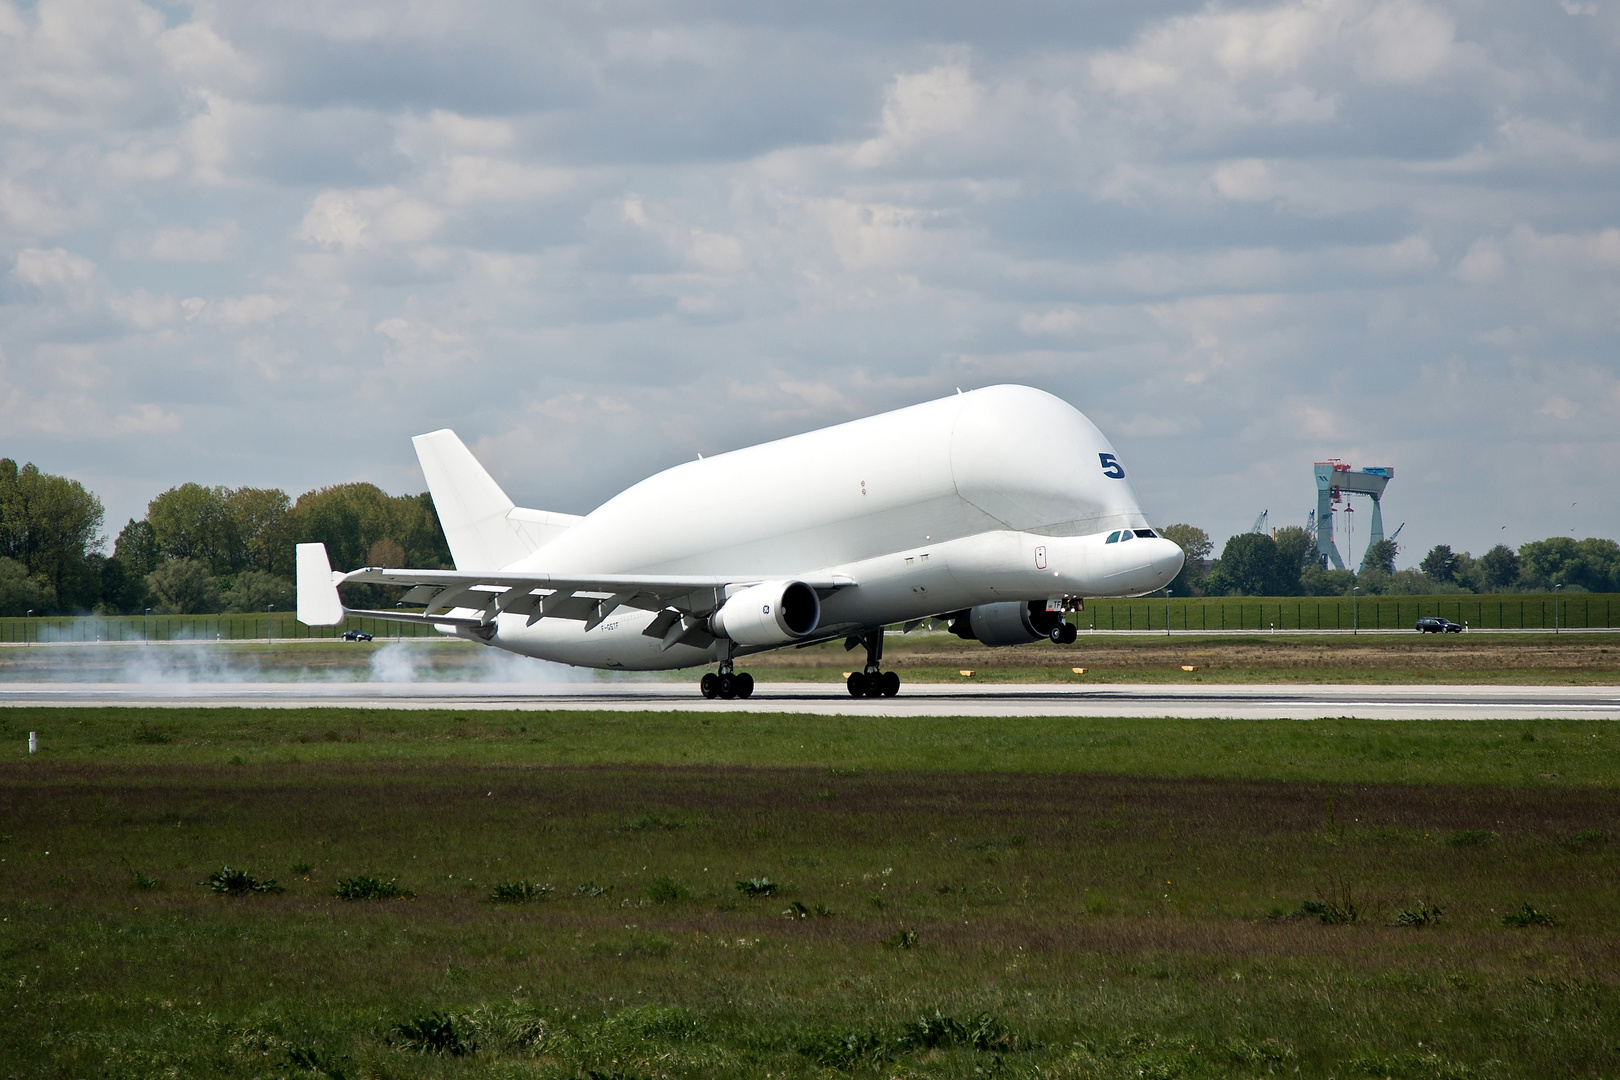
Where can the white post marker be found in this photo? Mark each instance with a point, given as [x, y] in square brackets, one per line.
[33, 742]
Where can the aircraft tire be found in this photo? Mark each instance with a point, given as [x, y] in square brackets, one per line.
[727, 685]
[745, 685]
[709, 685]
[1070, 632]
[874, 684]
[856, 683]
[891, 683]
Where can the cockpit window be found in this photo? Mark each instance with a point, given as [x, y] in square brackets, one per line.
[1124, 534]
[1147, 533]
[1113, 538]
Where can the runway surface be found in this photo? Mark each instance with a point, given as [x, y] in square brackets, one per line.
[1254, 702]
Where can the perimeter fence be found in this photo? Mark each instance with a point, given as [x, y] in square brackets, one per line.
[1573, 611]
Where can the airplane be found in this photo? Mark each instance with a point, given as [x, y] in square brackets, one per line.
[995, 511]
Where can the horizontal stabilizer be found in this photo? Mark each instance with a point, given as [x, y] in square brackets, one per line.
[318, 603]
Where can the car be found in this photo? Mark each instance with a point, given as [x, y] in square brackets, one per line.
[356, 635]
[1434, 624]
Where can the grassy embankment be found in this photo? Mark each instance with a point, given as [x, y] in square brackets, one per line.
[948, 897]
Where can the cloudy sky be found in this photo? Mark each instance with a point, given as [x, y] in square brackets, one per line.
[250, 243]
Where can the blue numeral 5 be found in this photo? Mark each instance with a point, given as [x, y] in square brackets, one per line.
[1111, 467]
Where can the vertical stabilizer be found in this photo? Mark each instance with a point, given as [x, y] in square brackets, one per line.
[472, 508]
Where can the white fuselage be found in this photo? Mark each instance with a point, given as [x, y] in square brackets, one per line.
[1005, 493]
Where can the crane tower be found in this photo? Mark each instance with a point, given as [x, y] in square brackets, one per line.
[1334, 482]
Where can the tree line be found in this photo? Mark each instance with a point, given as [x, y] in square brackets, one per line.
[1285, 563]
[199, 549]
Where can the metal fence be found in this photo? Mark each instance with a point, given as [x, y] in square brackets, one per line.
[262, 627]
[1576, 611]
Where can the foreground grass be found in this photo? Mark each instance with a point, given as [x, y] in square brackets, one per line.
[1499, 753]
[1025, 897]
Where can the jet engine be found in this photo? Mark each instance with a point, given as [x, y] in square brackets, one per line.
[770, 613]
[1012, 623]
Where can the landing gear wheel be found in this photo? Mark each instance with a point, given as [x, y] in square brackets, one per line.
[709, 684]
[891, 683]
[726, 683]
[874, 684]
[1069, 634]
[856, 683]
[1056, 633]
[745, 685]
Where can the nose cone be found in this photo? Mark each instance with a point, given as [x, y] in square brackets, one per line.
[1166, 559]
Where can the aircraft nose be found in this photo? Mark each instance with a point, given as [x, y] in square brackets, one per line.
[1167, 560]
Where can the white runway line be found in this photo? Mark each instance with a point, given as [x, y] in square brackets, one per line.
[1254, 701]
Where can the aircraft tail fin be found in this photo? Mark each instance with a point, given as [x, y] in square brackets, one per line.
[485, 530]
[318, 602]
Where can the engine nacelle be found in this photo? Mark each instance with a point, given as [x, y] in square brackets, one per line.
[770, 613]
[1012, 623]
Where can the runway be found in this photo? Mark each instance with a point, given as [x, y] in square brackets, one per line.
[1239, 702]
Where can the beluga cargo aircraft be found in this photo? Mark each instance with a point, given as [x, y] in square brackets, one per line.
[996, 511]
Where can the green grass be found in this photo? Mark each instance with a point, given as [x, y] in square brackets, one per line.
[1023, 897]
[1562, 752]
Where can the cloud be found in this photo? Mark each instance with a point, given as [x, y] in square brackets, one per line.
[267, 243]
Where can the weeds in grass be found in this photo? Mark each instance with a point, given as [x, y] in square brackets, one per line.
[370, 888]
[138, 880]
[1585, 840]
[1429, 1066]
[983, 1032]
[667, 890]
[1471, 838]
[1527, 916]
[302, 867]
[228, 881]
[902, 939]
[312, 1059]
[796, 910]
[433, 1033]
[151, 735]
[754, 888]
[656, 822]
[590, 889]
[520, 892]
[1335, 905]
[1422, 913]
[1270, 1054]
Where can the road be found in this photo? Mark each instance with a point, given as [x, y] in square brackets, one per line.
[1253, 702]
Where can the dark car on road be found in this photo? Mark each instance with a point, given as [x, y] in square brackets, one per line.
[356, 635]
[1434, 624]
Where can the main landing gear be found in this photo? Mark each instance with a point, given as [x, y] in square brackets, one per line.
[726, 684]
[873, 682]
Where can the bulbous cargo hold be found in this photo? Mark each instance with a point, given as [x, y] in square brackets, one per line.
[771, 613]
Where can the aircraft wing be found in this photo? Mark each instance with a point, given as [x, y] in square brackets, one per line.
[475, 598]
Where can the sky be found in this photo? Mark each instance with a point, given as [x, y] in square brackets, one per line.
[264, 244]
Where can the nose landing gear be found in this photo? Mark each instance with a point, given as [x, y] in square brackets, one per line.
[873, 682]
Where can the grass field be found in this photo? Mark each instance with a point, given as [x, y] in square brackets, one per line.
[946, 897]
[1590, 658]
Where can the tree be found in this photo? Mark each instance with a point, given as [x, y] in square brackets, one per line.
[19, 593]
[263, 525]
[51, 525]
[1380, 557]
[195, 522]
[255, 590]
[1249, 566]
[1590, 564]
[1195, 543]
[1296, 550]
[1440, 563]
[1498, 569]
[184, 587]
